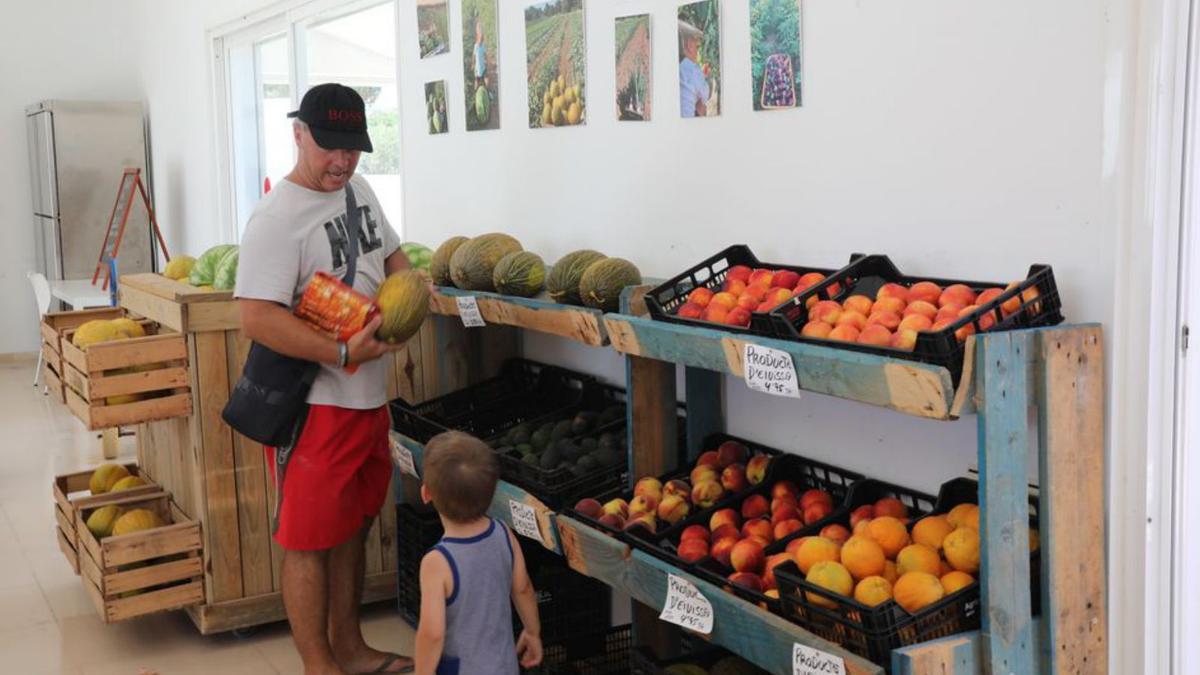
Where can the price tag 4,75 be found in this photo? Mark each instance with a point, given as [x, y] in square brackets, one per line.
[686, 606]
[809, 661]
[468, 311]
[770, 370]
[402, 456]
[525, 521]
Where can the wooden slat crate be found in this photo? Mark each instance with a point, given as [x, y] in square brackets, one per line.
[154, 368]
[53, 325]
[53, 383]
[72, 495]
[143, 572]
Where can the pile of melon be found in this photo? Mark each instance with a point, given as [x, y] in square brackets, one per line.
[97, 331]
[112, 520]
[214, 270]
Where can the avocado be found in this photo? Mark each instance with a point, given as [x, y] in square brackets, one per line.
[525, 449]
[521, 435]
[607, 440]
[612, 414]
[607, 457]
[583, 422]
[589, 444]
[569, 449]
[551, 459]
[531, 460]
[561, 430]
[587, 463]
[579, 471]
[504, 449]
[540, 439]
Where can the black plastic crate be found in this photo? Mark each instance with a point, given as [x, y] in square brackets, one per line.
[867, 274]
[612, 657]
[416, 532]
[643, 662]
[524, 390]
[570, 605]
[664, 301]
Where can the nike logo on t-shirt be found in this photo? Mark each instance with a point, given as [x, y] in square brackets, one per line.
[338, 234]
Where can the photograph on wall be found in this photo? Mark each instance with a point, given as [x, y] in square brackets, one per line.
[480, 57]
[775, 53]
[435, 107]
[700, 59]
[557, 60]
[433, 27]
[633, 68]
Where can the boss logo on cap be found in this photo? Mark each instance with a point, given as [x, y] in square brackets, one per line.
[345, 116]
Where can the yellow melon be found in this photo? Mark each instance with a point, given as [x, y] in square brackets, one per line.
[105, 476]
[136, 521]
[100, 522]
[128, 328]
[128, 483]
[94, 332]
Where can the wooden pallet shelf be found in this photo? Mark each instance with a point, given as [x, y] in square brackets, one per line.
[540, 313]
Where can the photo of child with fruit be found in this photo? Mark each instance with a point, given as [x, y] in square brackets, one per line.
[473, 577]
[481, 78]
[775, 53]
[700, 59]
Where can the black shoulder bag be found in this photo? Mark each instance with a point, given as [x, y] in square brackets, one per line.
[268, 403]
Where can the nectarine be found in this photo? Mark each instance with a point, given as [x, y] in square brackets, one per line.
[785, 279]
[827, 311]
[756, 468]
[747, 580]
[835, 532]
[957, 293]
[690, 311]
[809, 280]
[716, 312]
[858, 303]
[786, 527]
[642, 504]
[726, 531]
[748, 302]
[726, 299]
[731, 452]
[701, 296]
[815, 496]
[758, 527]
[649, 487]
[773, 562]
[673, 509]
[738, 316]
[695, 532]
[643, 521]
[738, 272]
[892, 291]
[888, 319]
[755, 506]
[704, 472]
[706, 493]
[926, 291]
[724, 517]
[844, 334]
[747, 556]
[734, 286]
[890, 506]
[721, 550]
[785, 512]
[864, 512]
[710, 458]
[733, 478]
[677, 487]
[921, 307]
[858, 320]
[613, 520]
[816, 512]
[875, 334]
[618, 507]
[761, 276]
[590, 508]
[692, 550]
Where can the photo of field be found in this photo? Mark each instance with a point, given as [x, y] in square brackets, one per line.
[557, 61]
[775, 54]
[700, 59]
[481, 77]
[433, 27]
[633, 68]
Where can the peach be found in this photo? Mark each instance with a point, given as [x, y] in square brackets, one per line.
[989, 296]
[706, 493]
[926, 309]
[858, 303]
[816, 329]
[882, 317]
[715, 312]
[784, 500]
[876, 335]
[642, 504]
[890, 506]
[618, 507]
[827, 311]
[695, 532]
[835, 532]
[915, 322]
[844, 334]
[852, 318]
[735, 286]
[816, 512]
[738, 316]
[704, 472]
[747, 556]
[756, 469]
[864, 512]
[949, 311]
[726, 531]
[732, 452]
[739, 272]
[764, 307]
[748, 302]
[643, 521]
[726, 299]
[962, 333]
[722, 549]
[733, 478]
[692, 550]
[1025, 297]
[905, 339]
[747, 580]
[941, 324]
[590, 508]
[986, 320]
[759, 293]
[759, 527]
[892, 291]
[773, 562]
[815, 496]
[809, 280]
[784, 487]
[677, 487]
[957, 293]
[926, 291]
[755, 506]
[649, 487]
[709, 458]
[785, 512]
[690, 311]
[762, 277]
[786, 527]
[701, 296]
[724, 517]
[612, 520]
[894, 305]
[786, 279]
[673, 509]
[795, 544]
[762, 541]
[777, 297]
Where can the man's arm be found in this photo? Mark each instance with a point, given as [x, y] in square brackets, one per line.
[274, 326]
[396, 262]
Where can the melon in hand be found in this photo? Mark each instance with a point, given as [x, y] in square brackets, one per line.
[403, 301]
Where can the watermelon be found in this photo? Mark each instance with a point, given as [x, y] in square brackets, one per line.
[419, 256]
[206, 265]
[483, 104]
[226, 274]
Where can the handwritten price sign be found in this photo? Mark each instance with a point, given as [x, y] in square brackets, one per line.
[770, 371]
[809, 661]
[524, 520]
[402, 456]
[468, 311]
[686, 607]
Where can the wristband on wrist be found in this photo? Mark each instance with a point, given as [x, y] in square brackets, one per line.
[343, 355]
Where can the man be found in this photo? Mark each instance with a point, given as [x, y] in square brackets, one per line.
[339, 468]
[693, 84]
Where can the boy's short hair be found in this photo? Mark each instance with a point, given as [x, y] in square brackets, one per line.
[461, 473]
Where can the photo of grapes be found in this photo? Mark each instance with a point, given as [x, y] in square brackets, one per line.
[633, 68]
[775, 53]
[435, 107]
[557, 59]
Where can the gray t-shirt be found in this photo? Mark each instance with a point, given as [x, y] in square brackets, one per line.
[294, 233]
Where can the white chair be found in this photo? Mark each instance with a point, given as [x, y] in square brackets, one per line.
[41, 294]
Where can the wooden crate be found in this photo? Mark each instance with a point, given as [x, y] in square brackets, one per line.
[144, 572]
[53, 325]
[153, 367]
[72, 495]
[53, 383]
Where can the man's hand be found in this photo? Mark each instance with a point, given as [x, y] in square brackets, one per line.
[529, 649]
[365, 347]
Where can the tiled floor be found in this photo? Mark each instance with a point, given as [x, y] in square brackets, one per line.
[47, 622]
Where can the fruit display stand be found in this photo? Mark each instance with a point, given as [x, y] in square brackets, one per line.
[222, 479]
[1057, 371]
[539, 313]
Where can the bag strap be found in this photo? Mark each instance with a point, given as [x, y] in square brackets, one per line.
[353, 226]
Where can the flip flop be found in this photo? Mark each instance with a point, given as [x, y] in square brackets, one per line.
[387, 663]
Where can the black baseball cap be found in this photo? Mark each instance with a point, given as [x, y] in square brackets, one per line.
[336, 116]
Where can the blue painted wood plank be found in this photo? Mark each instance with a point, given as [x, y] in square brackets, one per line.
[960, 654]
[1002, 380]
[706, 410]
[539, 313]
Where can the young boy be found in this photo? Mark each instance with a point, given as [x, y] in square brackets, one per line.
[480, 56]
[469, 577]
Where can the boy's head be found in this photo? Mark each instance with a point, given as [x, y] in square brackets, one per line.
[460, 475]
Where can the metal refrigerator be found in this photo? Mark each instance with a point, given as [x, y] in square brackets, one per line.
[77, 153]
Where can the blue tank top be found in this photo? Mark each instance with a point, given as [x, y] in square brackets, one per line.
[479, 625]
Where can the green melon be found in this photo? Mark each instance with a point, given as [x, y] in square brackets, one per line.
[418, 255]
[472, 264]
[563, 282]
[601, 284]
[403, 301]
[439, 264]
[206, 265]
[519, 273]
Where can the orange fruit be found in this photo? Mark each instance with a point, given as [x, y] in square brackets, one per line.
[944, 568]
[1035, 540]
[873, 591]
[832, 577]
[918, 558]
[813, 551]
[964, 515]
[889, 533]
[861, 526]
[962, 549]
[889, 572]
[931, 531]
[917, 590]
[863, 557]
[956, 581]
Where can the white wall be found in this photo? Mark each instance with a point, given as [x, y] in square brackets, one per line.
[56, 49]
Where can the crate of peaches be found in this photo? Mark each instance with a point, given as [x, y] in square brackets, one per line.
[870, 306]
[658, 506]
[897, 580]
[732, 289]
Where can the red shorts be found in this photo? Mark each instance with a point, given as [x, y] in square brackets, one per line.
[336, 479]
